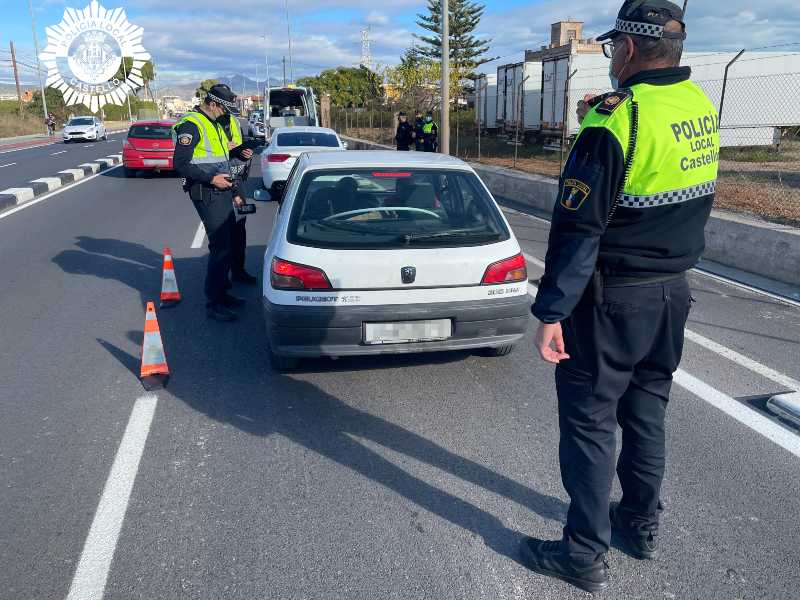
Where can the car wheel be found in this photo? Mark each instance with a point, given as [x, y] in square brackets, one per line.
[499, 350]
[66, 141]
[129, 172]
[283, 363]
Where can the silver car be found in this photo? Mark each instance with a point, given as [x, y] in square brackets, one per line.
[84, 128]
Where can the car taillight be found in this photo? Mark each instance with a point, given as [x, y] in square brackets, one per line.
[509, 270]
[291, 276]
[278, 157]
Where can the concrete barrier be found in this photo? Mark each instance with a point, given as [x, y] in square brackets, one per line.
[733, 240]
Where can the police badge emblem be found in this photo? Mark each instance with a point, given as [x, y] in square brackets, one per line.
[84, 54]
[574, 194]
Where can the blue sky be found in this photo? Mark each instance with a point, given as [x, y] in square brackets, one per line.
[192, 39]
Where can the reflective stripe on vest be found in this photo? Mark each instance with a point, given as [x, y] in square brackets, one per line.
[677, 144]
[236, 131]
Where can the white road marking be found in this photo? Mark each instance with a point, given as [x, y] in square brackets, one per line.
[199, 236]
[744, 361]
[10, 212]
[532, 259]
[89, 146]
[8, 165]
[758, 423]
[59, 152]
[747, 416]
[91, 575]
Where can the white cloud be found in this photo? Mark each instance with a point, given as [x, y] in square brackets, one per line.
[376, 18]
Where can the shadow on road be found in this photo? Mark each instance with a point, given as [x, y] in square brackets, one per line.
[222, 371]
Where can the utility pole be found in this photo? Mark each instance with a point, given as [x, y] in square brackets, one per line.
[289, 34]
[16, 77]
[127, 90]
[284, 71]
[444, 129]
[36, 49]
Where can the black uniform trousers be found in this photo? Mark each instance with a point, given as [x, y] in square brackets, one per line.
[623, 353]
[216, 212]
[238, 245]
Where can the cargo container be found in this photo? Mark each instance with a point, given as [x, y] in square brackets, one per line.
[519, 96]
[486, 101]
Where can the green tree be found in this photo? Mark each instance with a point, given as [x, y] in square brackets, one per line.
[467, 51]
[206, 85]
[148, 73]
[347, 86]
[415, 81]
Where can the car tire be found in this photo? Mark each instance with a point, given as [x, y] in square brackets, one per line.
[282, 363]
[66, 141]
[129, 173]
[499, 350]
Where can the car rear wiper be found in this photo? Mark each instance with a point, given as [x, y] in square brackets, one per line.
[410, 238]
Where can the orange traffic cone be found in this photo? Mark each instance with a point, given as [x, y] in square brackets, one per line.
[155, 372]
[170, 295]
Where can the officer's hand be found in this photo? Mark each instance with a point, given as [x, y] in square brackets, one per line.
[247, 153]
[583, 106]
[231, 145]
[220, 182]
[237, 200]
[549, 335]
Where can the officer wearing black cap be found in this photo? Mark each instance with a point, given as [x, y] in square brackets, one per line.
[405, 132]
[628, 223]
[202, 159]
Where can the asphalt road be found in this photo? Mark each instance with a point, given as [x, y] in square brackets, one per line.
[18, 167]
[410, 477]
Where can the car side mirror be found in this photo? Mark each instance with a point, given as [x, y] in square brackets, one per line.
[262, 195]
[344, 145]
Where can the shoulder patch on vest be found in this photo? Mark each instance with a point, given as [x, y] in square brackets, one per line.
[611, 102]
[185, 139]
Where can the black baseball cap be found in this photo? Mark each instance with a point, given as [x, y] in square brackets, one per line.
[222, 95]
[647, 18]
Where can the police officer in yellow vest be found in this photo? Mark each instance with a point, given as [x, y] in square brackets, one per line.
[430, 134]
[202, 159]
[628, 223]
[240, 168]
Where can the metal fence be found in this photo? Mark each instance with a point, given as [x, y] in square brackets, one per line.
[759, 156]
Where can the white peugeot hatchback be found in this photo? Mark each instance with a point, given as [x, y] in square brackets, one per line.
[287, 143]
[378, 252]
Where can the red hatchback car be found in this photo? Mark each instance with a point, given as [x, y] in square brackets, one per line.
[149, 145]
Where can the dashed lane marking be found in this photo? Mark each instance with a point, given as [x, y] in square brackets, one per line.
[199, 236]
[59, 152]
[91, 575]
[8, 165]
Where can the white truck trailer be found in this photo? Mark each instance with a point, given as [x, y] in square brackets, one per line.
[486, 101]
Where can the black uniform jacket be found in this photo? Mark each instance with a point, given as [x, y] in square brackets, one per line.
[403, 135]
[637, 245]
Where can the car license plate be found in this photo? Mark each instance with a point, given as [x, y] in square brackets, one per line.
[406, 332]
[155, 162]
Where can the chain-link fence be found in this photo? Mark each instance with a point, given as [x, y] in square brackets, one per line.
[759, 156]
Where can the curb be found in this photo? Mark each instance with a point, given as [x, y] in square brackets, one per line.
[15, 196]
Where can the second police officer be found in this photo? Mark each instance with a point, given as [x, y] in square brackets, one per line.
[202, 159]
[628, 223]
[240, 168]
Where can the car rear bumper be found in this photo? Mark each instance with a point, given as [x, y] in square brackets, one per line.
[141, 160]
[302, 331]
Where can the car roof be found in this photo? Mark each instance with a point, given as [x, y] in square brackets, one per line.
[162, 122]
[381, 158]
[304, 129]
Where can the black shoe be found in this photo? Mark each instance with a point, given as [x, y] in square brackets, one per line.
[639, 540]
[548, 558]
[220, 313]
[229, 301]
[244, 277]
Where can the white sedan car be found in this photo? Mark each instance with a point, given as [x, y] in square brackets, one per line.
[381, 252]
[287, 143]
[84, 128]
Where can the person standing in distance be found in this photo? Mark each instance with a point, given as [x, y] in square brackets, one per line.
[430, 134]
[201, 158]
[628, 223]
[240, 168]
[419, 123]
[405, 133]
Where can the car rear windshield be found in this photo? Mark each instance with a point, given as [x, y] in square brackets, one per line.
[394, 208]
[83, 121]
[150, 132]
[308, 138]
